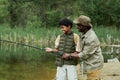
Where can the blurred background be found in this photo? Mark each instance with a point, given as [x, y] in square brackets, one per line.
[35, 22]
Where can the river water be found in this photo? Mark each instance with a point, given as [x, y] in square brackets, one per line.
[23, 63]
[27, 71]
[29, 64]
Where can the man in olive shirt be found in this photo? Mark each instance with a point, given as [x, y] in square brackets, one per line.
[90, 52]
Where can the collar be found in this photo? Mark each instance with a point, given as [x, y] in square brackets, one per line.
[86, 34]
[69, 33]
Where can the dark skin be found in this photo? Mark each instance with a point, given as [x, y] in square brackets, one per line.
[83, 29]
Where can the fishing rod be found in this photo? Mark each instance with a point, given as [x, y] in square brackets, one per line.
[18, 43]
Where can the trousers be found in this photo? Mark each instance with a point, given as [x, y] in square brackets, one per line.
[66, 72]
[93, 75]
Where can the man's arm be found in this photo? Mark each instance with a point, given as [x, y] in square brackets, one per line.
[68, 55]
[88, 50]
[56, 46]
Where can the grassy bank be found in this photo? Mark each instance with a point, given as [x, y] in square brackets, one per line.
[107, 35]
[42, 37]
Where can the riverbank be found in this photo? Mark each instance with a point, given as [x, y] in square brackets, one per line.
[110, 71]
[46, 71]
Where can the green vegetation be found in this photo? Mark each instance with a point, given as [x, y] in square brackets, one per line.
[42, 37]
[35, 23]
[45, 13]
[108, 35]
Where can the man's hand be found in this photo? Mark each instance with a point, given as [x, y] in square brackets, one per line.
[48, 49]
[75, 55]
[66, 56]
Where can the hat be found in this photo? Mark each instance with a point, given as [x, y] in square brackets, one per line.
[84, 20]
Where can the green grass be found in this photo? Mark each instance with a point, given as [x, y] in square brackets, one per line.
[43, 37]
[108, 35]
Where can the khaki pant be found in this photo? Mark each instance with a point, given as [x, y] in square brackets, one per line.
[93, 75]
[90, 75]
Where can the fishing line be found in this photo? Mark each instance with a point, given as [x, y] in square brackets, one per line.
[18, 43]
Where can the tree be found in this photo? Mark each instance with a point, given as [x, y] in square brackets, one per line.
[3, 11]
[102, 12]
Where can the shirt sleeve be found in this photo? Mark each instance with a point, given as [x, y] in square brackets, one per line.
[77, 42]
[89, 48]
[57, 41]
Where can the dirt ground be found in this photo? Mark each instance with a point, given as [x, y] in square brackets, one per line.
[110, 71]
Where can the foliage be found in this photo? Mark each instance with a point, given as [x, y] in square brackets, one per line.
[102, 12]
[45, 13]
[43, 37]
[3, 11]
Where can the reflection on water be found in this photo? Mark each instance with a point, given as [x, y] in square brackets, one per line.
[15, 63]
[24, 63]
[29, 71]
